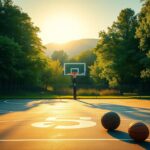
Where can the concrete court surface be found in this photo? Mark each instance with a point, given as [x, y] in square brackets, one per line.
[67, 124]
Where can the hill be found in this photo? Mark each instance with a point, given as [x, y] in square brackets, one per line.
[72, 48]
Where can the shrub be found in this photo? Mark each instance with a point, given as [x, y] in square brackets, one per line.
[65, 91]
[88, 92]
[109, 92]
[130, 94]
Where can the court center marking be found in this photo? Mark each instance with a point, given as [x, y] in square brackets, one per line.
[81, 122]
[17, 120]
[49, 140]
[37, 119]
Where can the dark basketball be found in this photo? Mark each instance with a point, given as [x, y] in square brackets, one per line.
[110, 120]
[138, 131]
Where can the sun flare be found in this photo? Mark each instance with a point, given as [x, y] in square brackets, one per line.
[61, 29]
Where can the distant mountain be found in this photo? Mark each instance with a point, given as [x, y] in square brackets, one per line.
[72, 48]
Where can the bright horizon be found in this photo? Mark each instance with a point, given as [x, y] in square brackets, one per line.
[65, 20]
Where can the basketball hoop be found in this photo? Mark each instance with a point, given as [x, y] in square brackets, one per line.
[74, 70]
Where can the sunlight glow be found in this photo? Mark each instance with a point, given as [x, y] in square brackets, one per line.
[61, 28]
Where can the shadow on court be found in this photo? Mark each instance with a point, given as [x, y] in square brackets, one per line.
[135, 113]
[11, 129]
[24, 105]
[122, 136]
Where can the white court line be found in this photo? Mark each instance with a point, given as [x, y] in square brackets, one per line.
[7, 101]
[23, 101]
[7, 111]
[49, 140]
[128, 111]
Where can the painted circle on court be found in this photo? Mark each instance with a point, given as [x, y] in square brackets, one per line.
[52, 122]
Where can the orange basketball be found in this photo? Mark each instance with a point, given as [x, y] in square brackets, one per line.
[110, 120]
[138, 131]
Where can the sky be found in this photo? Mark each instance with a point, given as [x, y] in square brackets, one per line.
[65, 20]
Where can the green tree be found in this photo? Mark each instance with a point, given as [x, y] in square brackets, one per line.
[0, 3]
[95, 74]
[117, 52]
[18, 26]
[61, 56]
[10, 54]
[89, 58]
[143, 34]
[7, 2]
[52, 75]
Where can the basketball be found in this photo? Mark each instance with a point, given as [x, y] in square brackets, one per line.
[138, 131]
[110, 120]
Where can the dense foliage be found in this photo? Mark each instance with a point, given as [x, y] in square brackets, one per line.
[123, 51]
[121, 59]
[87, 57]
[23, 63]
[143, 34]
[61, 56]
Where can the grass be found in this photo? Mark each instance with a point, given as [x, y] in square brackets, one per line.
[88, 92]
[114, 97]
[47, 95]
[108, 92]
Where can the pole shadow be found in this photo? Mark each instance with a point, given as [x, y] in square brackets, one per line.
[136, 113]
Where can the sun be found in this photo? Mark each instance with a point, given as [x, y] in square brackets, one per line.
[61, 28]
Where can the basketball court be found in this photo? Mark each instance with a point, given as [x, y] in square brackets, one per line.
[69, 124]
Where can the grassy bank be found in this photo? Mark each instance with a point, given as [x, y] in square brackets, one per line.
[47, 95]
